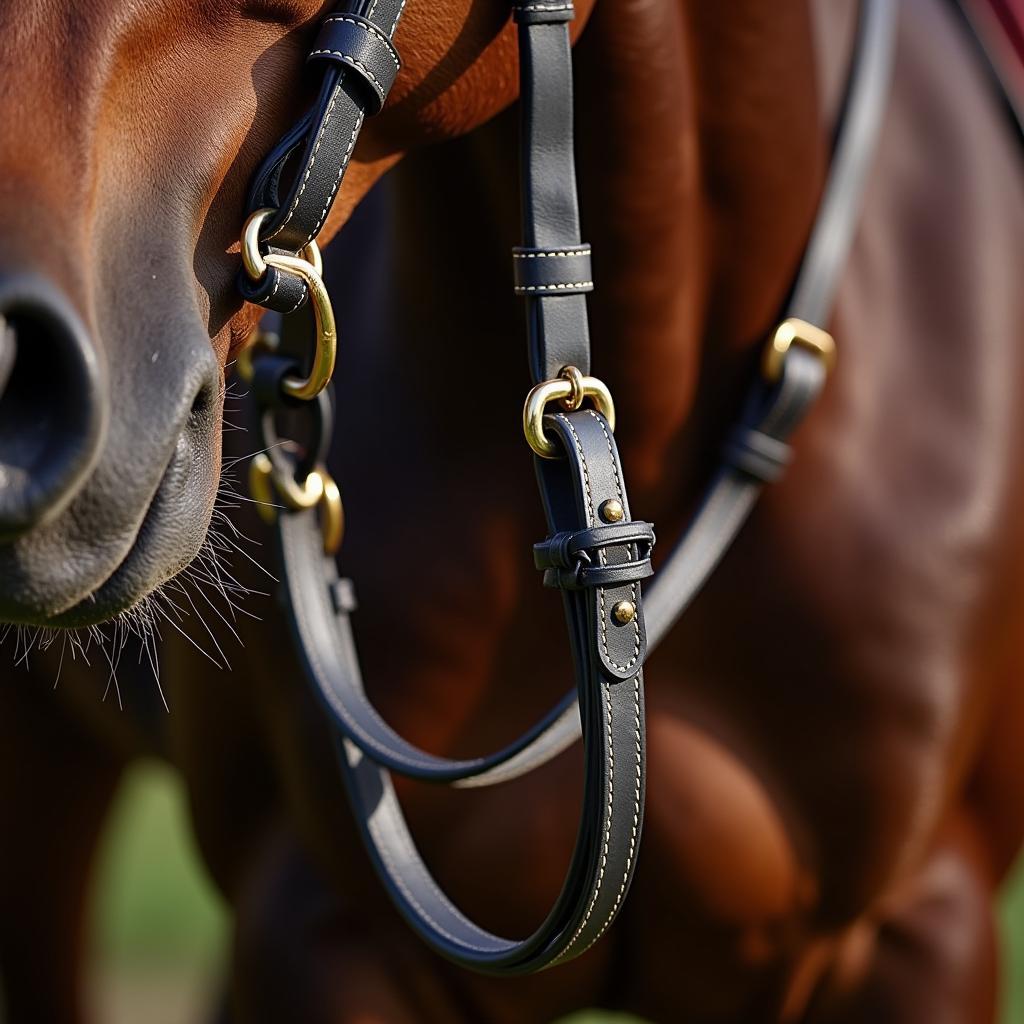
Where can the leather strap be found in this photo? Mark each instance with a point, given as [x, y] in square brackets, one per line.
[770, 415]
[608, 656]
[358, 63]
[608, 653]
[556, 317]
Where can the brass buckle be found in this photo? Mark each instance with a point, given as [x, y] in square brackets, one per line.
[796, 332]
[310, 268]
[570, 388]
[318, 490]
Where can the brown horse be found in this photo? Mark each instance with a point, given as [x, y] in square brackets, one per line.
[834, 766]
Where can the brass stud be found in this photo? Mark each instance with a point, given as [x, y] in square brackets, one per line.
[624, 612]
[611, 511]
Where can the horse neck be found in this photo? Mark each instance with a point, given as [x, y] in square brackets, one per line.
[702, 152]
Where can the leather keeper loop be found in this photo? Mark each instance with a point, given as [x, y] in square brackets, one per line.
[283, 293]
[758, 454]
[563, 550]
[571, 561]
[363, 49]
[539, 12]
[268, 373]
[618, 575]
[564, 270]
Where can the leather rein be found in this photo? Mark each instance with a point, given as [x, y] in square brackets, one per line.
[596, 554]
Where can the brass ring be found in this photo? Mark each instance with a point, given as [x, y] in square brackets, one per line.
[578, 393]
[796, 332]
[253, 260]
[326, 329]
[319, 489]
[560, 389]
[295, 495]
[332, 514]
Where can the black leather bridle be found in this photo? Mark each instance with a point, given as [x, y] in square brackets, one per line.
[596, 554]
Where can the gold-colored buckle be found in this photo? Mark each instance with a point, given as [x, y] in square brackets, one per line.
[317, 490]
[310, 268]
[570, 388]
[796, 332]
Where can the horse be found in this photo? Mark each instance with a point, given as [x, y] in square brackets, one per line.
[833, 726]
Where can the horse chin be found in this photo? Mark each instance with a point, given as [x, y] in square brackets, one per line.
[170, 532]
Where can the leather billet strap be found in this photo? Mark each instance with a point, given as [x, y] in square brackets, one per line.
[357, 62]
[551, 267]
[608, 657]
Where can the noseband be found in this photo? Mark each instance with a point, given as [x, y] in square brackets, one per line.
[596, 554]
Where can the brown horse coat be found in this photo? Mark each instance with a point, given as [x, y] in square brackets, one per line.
[834, 727]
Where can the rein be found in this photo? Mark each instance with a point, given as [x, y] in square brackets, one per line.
[596, 554]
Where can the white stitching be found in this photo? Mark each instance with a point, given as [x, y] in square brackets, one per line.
[601, 555]
[356, 63]
[341, 174]
[632, 588]
[394, 24]
[312, 161]
[606, 693]
[561, 286]
[634, 833]
[368, 27]
[565, 253]
[301, 299]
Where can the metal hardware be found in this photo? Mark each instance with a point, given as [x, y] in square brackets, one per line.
[569, 386]
[332, 514]
[259, 341]
[624, 612]
[796, 332]
[310, 268]
[318, 490]
[611, 511]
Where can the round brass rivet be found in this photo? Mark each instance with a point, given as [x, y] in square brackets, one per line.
[611, 511]
[624, 612]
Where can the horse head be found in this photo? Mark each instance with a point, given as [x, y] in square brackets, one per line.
[130, 132]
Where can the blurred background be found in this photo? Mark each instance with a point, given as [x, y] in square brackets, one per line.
[162, 933]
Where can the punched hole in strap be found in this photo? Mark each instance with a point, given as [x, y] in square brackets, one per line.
[363, 49]
[561, 270]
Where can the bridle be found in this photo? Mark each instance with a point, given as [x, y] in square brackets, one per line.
[596, 554]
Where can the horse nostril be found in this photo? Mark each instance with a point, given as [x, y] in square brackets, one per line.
[201, 404]
[52, 410]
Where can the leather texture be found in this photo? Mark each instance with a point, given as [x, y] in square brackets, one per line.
[596, 565]
[557, 325]
[358, 61]
[361, 46]
[552, 271]
[608, 657]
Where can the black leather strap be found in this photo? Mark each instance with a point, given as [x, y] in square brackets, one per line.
[556, 316]
[608, 656]
[608, 652]
[358, 62]
[757, 451]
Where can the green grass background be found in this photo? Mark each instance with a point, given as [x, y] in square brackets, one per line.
[161, 932]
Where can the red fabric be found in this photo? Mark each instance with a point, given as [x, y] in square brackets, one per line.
[1010, 14]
